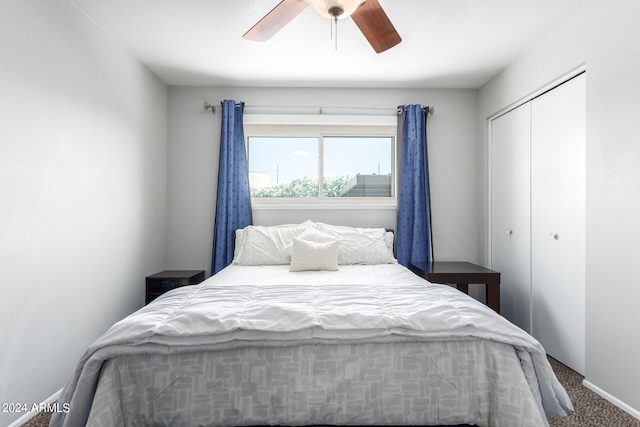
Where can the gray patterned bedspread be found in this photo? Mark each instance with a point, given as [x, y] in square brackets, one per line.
[390, 350]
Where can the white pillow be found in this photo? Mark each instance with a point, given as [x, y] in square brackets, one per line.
[266, 245]
[313, 256]
[311, 235]
[238, 243]
[360, 245]
[317, 236]
[388, 240]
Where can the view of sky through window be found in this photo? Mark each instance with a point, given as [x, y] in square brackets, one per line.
[282, 159]
[349, 156]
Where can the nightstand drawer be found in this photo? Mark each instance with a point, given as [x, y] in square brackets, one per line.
[159, 283]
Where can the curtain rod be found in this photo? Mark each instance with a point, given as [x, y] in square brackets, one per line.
[309, 109]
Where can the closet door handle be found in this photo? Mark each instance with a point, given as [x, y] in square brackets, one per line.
[554, 236]
[509, 231]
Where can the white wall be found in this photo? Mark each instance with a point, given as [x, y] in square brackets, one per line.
[193, 166]
[82, 191]
[604, 36]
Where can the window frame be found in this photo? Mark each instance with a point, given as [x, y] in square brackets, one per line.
[320, 131]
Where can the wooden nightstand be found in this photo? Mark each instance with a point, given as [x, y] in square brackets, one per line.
[462, 274]
[159, 283]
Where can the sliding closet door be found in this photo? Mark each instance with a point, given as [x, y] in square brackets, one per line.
[510, 212]
[558, 221]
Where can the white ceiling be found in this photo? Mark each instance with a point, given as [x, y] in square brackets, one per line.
[446, 43]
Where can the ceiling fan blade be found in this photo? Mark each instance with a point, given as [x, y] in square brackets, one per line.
[275, 20]
[376, 26]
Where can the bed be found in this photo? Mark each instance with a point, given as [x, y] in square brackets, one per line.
[313, 324]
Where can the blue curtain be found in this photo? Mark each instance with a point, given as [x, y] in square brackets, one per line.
[233, 205]
[414, 243]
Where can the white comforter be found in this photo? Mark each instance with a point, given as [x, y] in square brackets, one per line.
[271, 306]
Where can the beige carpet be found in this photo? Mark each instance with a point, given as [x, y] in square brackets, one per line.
[591, 409]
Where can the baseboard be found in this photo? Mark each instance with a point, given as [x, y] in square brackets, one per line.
[27, 416]
[617, 402]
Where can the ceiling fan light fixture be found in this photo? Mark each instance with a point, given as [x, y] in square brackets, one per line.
[332, 9]
[368, 16]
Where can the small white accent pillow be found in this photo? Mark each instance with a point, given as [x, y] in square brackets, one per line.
[313, 256]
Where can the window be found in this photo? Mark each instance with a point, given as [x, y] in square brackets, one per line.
[283, 166]
[354, 164]
[358, 166]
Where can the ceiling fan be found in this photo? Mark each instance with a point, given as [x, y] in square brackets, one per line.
[368, 15]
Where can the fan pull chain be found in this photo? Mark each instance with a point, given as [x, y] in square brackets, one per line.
[335, 11]
[335, 18]
[331, 27]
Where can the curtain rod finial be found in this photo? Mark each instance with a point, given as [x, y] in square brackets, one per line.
[207, 106]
